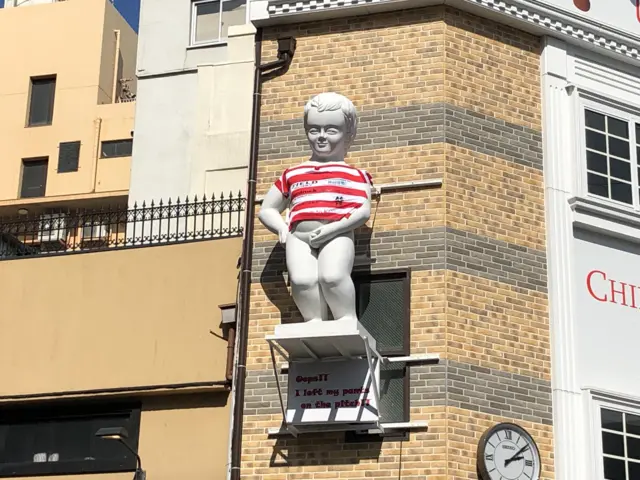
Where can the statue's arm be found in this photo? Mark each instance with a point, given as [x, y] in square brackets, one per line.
[270, 213]
[357, 218]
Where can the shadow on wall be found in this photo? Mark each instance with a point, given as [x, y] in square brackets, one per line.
[276, 286]
[322, 449]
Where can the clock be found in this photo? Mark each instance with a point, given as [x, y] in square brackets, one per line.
[507, 452]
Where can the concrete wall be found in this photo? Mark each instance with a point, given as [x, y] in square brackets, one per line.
[194, 105]
[67, 320]
[74, 51]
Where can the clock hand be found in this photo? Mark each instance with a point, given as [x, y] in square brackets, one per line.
[512, 459]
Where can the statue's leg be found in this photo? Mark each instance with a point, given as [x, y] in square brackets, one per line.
[335, 265]
[302, 264]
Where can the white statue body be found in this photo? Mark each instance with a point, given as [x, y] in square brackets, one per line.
[328, 199]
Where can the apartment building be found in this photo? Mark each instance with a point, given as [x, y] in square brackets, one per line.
[498, 265]
[195, 99]
[67, 101]
[118, 322]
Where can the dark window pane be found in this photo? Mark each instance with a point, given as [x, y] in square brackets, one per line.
[41, 101]
[614, 469]
[382, 310]
[621, 192]
[611, 420]
[633, 424]
[619, 148]
[620, 169]
[633, 448]
[594, 120]
[597, 162]
[34, 178]
[613, 444]
[392, 392]
[117, 148]
[36, 442]
[634, 471]
[638, 133]
[617, 127]
[598, 185]
[596, 141]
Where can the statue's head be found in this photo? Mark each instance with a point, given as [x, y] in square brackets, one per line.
[330, 122]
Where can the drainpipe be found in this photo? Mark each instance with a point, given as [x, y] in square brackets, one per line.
[116, 63]
[96, 153]
[267, 71]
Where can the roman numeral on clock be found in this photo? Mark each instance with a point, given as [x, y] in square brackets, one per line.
[508, 433]
[489, 458]
[528, 463]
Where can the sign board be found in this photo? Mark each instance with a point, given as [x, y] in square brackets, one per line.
[607, 306]
[331, 392]
[618, 14]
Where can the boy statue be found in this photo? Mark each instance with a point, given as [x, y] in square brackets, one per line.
[327, 200]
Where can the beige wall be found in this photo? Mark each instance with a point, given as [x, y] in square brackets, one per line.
[115, 319]
[75, 51]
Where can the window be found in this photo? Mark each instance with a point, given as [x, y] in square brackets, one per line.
[383, 309]
[41, 99]
[612, 146]
[116, 148]
[211, 19]
[61, 440]
[34, 177]
[620, 431]
[68, 157]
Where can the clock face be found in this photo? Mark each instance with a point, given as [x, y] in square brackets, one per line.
[507, 452]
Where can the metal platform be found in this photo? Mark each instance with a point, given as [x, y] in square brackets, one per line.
[335, 341]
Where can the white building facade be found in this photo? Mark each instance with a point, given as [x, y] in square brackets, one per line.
[195, 90]
[592, 148]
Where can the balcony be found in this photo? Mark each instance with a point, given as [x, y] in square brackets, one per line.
[121, 298]
[80, 231]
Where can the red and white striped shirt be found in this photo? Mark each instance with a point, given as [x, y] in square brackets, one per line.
[327, 192]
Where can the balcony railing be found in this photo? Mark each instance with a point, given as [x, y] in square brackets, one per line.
[64, 232]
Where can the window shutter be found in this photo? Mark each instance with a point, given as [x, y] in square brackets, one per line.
[68, 157]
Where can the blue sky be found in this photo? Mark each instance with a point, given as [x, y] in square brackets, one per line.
[130, 9]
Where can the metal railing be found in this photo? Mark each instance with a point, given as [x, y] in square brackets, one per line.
[64, 232]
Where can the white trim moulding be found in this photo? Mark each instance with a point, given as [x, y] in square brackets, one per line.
[605, 219]
[532, 15]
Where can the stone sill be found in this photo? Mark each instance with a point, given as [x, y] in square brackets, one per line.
[607, 219]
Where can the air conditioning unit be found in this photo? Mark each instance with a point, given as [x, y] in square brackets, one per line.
[94, 232]
[52, 228]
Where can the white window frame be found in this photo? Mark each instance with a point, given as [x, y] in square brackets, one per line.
[599, 400]
[194, 13]
[621, 112]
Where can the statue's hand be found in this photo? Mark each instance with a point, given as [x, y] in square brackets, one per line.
[321, 235]
[282, 235]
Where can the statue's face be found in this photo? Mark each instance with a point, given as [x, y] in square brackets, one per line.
[327, 133]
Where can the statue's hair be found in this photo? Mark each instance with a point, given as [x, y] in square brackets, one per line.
[330, 101]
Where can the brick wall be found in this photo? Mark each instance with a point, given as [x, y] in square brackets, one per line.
[440, 94]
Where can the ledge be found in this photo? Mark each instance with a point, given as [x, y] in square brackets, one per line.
[610, 220]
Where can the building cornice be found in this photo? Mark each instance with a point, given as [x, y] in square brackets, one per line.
[530, 15]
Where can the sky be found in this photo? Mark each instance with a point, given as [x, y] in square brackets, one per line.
[130, 9]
